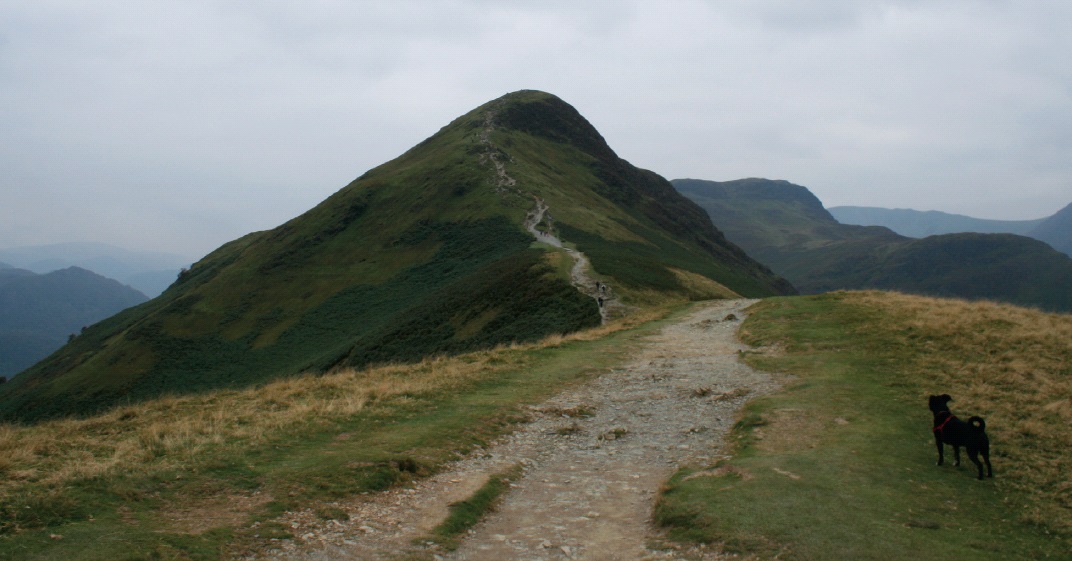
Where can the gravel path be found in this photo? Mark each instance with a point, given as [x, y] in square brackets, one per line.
[594, 459]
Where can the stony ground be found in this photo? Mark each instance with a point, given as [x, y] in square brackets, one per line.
[594, 459]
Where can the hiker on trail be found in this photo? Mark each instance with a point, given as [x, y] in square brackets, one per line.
[600, 301]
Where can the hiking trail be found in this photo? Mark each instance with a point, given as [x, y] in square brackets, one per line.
[594, 458]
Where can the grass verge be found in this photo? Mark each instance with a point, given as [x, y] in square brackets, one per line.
[840, 464]
[207, 476]
[465, 514]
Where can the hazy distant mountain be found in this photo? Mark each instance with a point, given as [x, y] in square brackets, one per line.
[39, 312]
[1056, 230]
[923, 223]
[786, 227]
[148, 272]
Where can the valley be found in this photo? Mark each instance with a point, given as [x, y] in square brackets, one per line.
[510, 343]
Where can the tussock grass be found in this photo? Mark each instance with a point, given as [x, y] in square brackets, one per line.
[840, 464]
[172, 433]
[1010, 365]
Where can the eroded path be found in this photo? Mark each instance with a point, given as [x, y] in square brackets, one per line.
[594, 459]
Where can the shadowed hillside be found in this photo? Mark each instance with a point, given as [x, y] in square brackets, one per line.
[1056, 230]
[423, 255]
[786, 227]
[39, 312]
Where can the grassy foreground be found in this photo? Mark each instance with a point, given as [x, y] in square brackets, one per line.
[207, 476]
[840, 464]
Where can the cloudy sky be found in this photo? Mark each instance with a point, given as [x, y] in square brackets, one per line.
[178, 126]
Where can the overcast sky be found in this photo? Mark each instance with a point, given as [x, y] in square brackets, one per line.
[178, 126]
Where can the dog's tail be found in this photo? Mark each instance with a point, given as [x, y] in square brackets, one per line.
[977, 423]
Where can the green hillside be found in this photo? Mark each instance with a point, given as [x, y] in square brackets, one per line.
[425, 254]
[786, 227]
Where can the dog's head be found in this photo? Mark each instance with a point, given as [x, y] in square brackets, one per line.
[939, 403]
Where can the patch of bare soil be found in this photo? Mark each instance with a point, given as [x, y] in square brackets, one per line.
[594, 459]
[214, 512]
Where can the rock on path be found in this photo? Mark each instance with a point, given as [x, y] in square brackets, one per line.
[595, 458]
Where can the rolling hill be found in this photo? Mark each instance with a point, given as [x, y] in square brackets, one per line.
[39, 312]
[1055, 230]
[786, 227]
[146, 271]
[923, 223]
[426, 254]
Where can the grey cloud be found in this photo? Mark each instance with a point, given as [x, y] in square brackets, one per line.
[201, 121]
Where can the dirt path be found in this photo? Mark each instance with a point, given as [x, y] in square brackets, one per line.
[609, 305]
[590, 479]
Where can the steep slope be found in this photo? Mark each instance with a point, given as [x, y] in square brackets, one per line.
[920, 223]
[785, 226]
[1056, 230]
[39, 312]
[425, 254]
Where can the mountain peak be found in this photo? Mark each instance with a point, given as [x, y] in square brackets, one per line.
[439, 251]
[544, 115]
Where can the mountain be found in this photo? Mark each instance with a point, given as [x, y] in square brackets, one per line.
[148, 272]
[786, 227]
[1056, 230]
[39, 312]
[429, 253]
[920, 224]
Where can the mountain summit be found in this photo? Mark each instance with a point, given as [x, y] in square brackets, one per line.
[453, 246]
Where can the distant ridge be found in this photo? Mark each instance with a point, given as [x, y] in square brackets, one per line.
[147, 271]
[785, 226]
[1055, 230]
[39, 312]
[427, 254]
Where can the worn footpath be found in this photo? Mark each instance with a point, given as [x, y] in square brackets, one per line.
[594, 458]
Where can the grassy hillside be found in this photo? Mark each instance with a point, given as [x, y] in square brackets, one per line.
[837, 465]
[840, 464]
[786, 227]
[206, 476]
[426, 254]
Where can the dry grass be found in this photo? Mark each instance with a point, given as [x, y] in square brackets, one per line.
[171, 433]
[1010, 365]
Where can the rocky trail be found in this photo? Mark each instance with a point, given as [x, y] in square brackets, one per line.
[593, 460]
[609, 305]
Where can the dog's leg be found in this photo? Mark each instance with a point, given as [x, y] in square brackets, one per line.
[956, 455]
[985, 450]
[941, 449]
[973, 455]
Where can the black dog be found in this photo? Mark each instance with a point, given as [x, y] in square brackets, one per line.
[951, 430]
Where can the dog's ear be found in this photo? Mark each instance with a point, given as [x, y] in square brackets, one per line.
[947, 397]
